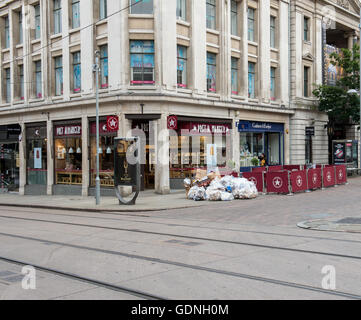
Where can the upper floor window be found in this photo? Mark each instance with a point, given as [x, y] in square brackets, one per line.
[273, 32]
[251, 24]
[7, 32]
[142, 62]
[21, 79]
[20, 27]
[38, 81]
[306, 29]
[103, 9]
[273, 83]
[182, 66]
[211, 72]
[306, 75]
[234, 75]
[75, 8]
[234, 17]
[37, 22]
[104, 66]
[76, 72]
[7, 85]
[143, 7]
[211, 14]
[57, 16]
[181, 9]
[251, 80]
[58, 61]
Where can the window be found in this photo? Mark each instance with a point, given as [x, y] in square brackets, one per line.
[251, 80]
[57, 16]
[211, 72]
[234, 71]
[306, 72]
[273, 83]
[8, 85]
[273, 32]
[144, 7]
[211, 14]
[104, 66]
[103, 9]
[182, 66]
[58, 76]
[142, 62]
[251, 24]
[181, 9]
[234, 18]
[38, 81]
[37, 21]
[7, 33]
[20, 27]
[306, 29]
[75, 8]
[21, 80]
[76, 72]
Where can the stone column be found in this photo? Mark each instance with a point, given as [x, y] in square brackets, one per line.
[235, 142]
[22, 157]
[65, 46]
[13, 65]
[162, 183]
[264, 58]
[283, 53]
[318, 51]
[224, 75]
[45, 56]
[244, 50]
[85, 155]
[50, 157]
[298, 53]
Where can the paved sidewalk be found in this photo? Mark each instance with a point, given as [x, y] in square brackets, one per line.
[147, 201]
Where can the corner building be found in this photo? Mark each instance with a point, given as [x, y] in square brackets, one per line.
[230, 71]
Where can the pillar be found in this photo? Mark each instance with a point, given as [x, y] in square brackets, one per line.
[284, 53]
[162, 183]
[298, 68]
[65, 45]
[244, 50]
[22, 157]
[50, 157]
[85, 155]
[318, 51]
[235, 142]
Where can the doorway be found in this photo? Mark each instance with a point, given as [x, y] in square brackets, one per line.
[9, 166]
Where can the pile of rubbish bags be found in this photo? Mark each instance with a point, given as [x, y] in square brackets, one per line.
[215, 188]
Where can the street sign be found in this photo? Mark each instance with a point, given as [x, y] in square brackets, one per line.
[310, 131]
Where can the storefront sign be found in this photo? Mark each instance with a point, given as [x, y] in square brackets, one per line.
[37, 158]
[172, 123]
[339, 153]
[112, 123]
[125, 172]
[103, 128]
[70, 130]
[253, 126]
[206, 128]
[310, 131]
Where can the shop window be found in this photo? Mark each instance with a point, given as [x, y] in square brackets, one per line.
[211, 72]
[104, 66]
[103, 9]
[58, 61]
[251, 147]
[68, 154]
[273, 32]
[251, 24]
[234, 17]
[306, 29]
[273, 83]
[7, 32]
[142, 62]
[273, 151]
[234, 74]
[38, 80]
[37, 22]
[211, 14]
[306, 74]
[20, 18]
[182, 66]
[36, 149]
[21, 82]
[57, 23]
[7, 85]
[143, 7]
[251, 80]
[181, 9]
[75, 11]
[76, 72]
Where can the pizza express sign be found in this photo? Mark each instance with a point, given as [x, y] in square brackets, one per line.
[69, 130]
[206, 128]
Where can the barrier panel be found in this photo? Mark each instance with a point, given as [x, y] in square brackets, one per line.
[277, 182]
[298, 180]
[259, 169]
[275, 168]
[341, 174]
[256, 178]
[328, 174]
[293, 167]
[314, 179]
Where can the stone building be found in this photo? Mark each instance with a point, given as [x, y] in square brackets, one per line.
[231, 72]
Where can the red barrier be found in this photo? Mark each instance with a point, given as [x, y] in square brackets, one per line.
[329, 176]
[341, 174]
[298, 180]
[256, 178]
[314, 178]
[277, 182]
[259, 169]
[275, 168]
[292, 167]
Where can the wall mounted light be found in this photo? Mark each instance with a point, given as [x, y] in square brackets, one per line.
[71, 150]
[78, 150]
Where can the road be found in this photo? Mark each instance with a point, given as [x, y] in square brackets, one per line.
[249, 249]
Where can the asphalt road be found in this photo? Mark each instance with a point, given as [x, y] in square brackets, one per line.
[232, 250]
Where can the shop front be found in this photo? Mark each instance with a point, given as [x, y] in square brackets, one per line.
[257, 138]
[198, 141]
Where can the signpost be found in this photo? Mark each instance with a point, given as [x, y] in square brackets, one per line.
[127, 167]
[310, 131]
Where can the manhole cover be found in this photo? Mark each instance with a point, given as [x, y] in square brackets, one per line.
[350, 221]
[343, 225]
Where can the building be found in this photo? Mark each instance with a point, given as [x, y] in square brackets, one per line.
[230, 71]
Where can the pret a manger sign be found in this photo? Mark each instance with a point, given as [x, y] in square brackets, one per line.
[71, 130]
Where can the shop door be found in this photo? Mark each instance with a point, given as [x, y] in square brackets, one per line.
[273, 150]
[9, 166]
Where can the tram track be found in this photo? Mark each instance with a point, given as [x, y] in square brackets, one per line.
[165, 262]
[174, 235]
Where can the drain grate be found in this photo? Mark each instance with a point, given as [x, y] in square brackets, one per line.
[350, 221]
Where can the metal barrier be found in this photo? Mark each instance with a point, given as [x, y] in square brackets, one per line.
[257, 178]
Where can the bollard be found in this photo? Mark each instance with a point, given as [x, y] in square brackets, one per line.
[308, 190]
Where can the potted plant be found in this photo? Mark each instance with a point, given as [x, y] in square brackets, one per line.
[255, 162]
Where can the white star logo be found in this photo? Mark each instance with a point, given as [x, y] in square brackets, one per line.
[299, 181]
[314, 178]
[277, 182]
[112, 123]
[340, 174]
[328, 177]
